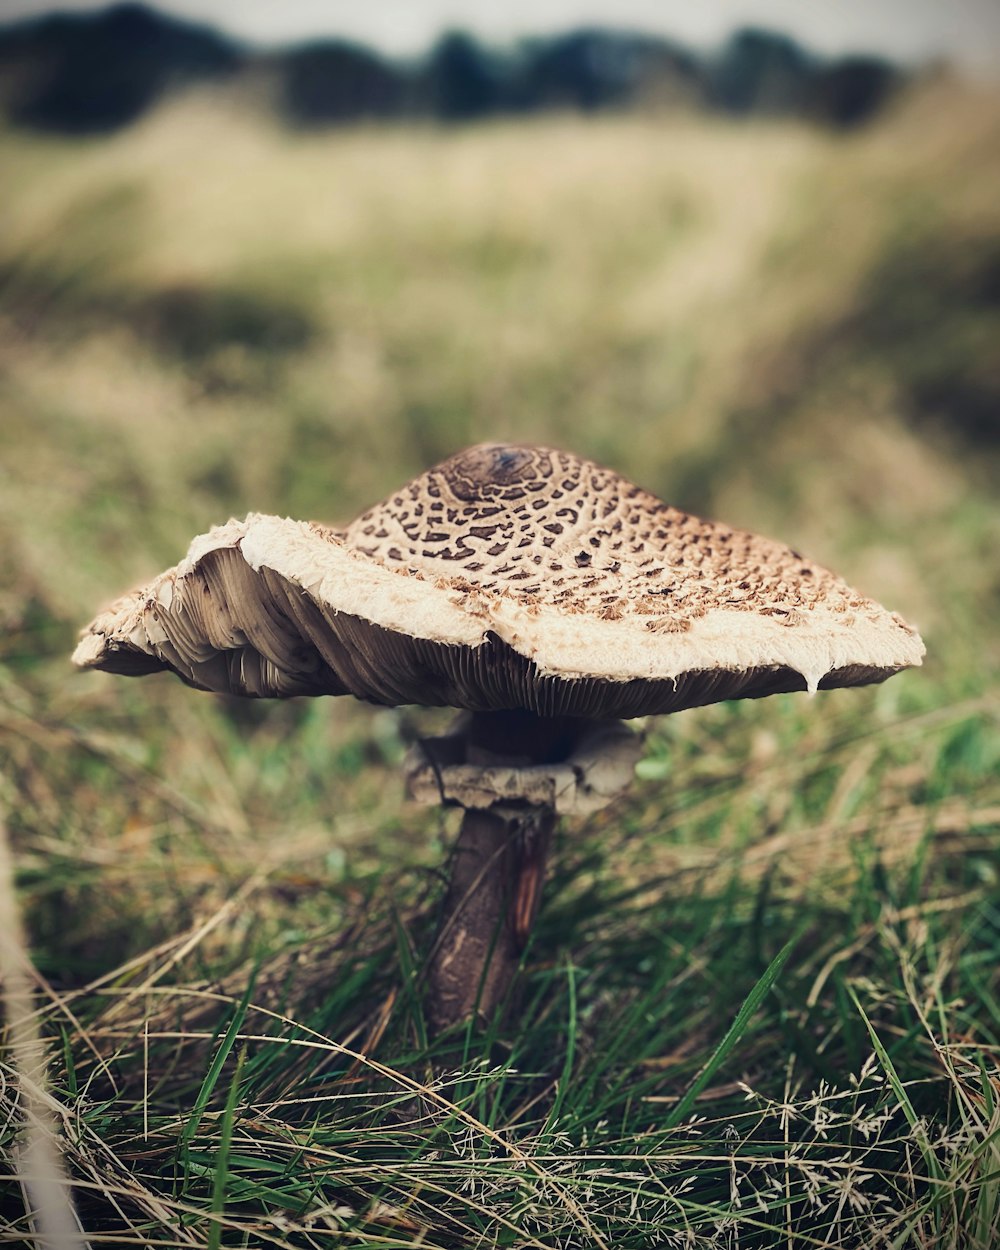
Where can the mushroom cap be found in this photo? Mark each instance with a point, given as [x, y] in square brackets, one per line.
[505, 577]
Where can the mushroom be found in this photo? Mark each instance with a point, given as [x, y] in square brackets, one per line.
[548, 598]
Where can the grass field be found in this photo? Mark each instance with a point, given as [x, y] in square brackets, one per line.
[762, 1007]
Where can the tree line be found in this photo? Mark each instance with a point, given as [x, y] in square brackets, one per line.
[93, 73]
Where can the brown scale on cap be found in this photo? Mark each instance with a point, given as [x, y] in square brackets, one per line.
[504, 578]
[549, 528]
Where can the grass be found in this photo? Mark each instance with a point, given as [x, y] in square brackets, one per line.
[762, 1007]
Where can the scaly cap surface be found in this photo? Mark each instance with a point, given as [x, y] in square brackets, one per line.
[504, 577]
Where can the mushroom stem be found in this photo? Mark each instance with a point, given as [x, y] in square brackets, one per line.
[497, 872]
[511, 772]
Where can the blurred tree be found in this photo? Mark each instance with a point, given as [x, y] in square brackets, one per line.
[760, 71]
[461, 80]
[582, 70]
[338, 82]
[96, 72]
[595, 69]
[850, 91]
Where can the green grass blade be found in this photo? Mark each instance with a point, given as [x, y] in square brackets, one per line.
[570, 1056]
[899, 1089]
[221, 1175]
[733, 1035]
[215, 1068]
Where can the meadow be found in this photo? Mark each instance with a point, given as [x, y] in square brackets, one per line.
[762, 1004]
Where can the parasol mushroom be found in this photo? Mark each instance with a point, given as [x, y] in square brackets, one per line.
[547, 597]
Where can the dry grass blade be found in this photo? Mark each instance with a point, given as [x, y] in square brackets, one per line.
[40, 1164]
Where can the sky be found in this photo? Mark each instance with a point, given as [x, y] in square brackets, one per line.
[967, 31]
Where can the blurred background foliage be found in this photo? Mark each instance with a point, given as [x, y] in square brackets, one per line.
[217, 296]
[96, 72]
